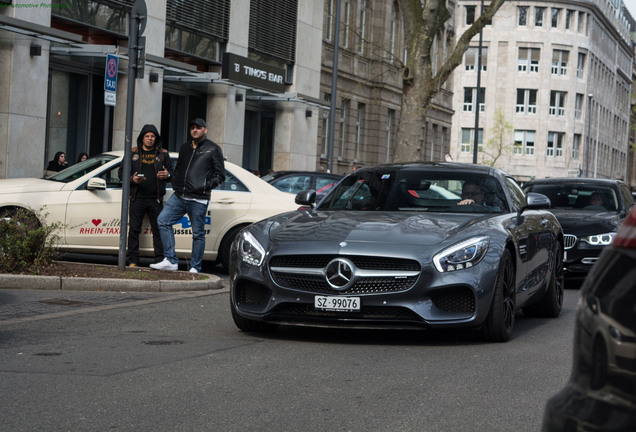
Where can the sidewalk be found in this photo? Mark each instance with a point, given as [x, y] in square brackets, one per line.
[8, 281]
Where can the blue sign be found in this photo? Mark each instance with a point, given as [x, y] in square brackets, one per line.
[110, 77]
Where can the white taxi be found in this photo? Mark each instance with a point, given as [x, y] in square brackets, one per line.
[86, 199]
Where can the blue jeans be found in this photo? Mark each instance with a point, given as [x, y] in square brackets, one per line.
[172, 212]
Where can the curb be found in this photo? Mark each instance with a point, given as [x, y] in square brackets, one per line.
[8, 281]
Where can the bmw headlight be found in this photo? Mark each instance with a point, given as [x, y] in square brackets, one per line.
[461, 256]
[250, 250]
[599, 239]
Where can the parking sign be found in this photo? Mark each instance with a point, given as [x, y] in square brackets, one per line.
[110, 77]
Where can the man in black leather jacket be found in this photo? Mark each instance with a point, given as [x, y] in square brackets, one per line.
[150, 168]
[199, 169]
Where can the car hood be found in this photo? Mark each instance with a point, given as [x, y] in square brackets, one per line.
[22, 185]
[373, 227]
[584, 222]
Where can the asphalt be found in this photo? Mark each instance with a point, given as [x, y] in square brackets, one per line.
[57, 283]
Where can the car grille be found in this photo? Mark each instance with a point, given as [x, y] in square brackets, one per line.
[310, 281]
[569, 241]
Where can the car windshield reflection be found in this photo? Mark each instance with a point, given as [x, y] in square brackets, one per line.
[590, 197]
[416, 191]
[81, 168]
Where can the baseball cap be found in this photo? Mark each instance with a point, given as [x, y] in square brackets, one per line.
[199, 122]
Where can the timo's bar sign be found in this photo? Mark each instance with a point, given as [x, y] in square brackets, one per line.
[242, 70]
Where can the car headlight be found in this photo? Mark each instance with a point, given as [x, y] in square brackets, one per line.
[250, 250]
[461, 256]
[599, 239]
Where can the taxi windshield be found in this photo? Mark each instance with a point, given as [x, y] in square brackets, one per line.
[81, 168]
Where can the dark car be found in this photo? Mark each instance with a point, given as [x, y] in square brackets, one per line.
[298, 181]
[601, 392]
[590, 211]
[392, 247]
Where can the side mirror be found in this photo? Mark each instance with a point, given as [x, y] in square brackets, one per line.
[307, 197]
[96, 183]
[535, 201]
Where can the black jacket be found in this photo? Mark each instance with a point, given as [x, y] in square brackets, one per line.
[199, 170]
[162, 159]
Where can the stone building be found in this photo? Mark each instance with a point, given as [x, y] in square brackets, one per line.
[369, 86]
[558, 76]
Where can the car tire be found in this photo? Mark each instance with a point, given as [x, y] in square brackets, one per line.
[551, 303]
[248, 325]
[501, 318]
[226, 244]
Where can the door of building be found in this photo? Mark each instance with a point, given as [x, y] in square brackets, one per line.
[258, 140]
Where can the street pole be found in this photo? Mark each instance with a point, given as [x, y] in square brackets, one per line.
[135, 23]
[587, 144]
[334, 91]
[598, 131]
[476, 137]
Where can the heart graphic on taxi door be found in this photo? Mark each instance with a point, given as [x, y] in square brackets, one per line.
[96, 221]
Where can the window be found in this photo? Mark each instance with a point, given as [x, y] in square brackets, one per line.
[328, 23]
[359, 129]
[528, 60]
[343, 126]
[578, 106]
[555, 17]
[467, 145]
[568, 18]
[580, 65]
[557, 103]
[346, 31]
[470, 98]
[560, 62]
[471, 58]
[526, 101]
[389, 131]
[523, 15]
[524, 142]
[203, 34]
[538, 16]
[555, 144]
[576, 146]
[277, 41]
[362, 31]
[393, 31]
[470, 15]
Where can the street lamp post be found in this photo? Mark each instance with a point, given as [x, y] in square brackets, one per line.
[476, 137]
[587, 143]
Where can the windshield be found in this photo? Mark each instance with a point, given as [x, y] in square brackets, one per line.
[416, 190]
[578, 196]
[81, 168]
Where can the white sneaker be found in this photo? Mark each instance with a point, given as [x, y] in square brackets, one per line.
[165, 265]
[193, 270]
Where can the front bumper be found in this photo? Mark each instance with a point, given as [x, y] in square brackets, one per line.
[428, 299]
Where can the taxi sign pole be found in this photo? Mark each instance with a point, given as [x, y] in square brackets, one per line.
[136, 28]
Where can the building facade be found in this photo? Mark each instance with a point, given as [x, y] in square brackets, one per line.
[371, 53]
[554, 98]
[257, 84]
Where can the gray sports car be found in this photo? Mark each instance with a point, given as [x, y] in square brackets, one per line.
[415, 245]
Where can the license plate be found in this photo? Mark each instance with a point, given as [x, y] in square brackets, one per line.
[339, 304]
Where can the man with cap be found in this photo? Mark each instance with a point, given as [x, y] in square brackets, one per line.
[150, 168]
[200, 168]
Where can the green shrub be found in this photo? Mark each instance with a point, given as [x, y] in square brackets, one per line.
[26, 246]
